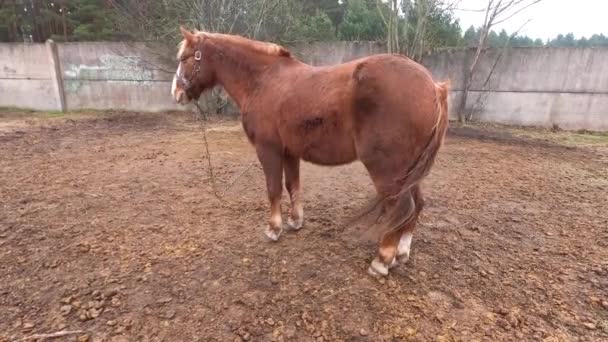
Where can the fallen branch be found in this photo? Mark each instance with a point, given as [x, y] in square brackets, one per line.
[53, 335]
[336, 292]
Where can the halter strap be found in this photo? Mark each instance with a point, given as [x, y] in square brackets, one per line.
[198, 55]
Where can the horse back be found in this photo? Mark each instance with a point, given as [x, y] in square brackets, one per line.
[321, 114]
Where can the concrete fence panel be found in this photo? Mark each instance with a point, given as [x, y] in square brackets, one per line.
[567, 87]
[26, 79]
[115, 76]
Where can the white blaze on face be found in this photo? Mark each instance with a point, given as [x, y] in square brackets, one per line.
[177, 93]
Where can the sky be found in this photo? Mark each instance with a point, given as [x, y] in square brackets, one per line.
[549, 18]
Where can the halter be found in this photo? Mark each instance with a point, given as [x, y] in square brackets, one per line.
[198, 55]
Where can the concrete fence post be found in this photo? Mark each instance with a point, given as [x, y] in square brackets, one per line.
[56, 76]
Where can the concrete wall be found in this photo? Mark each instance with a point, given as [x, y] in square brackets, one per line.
[529, 86]
[25, 77]
[115, 76]
[532, 86]
[328, 53]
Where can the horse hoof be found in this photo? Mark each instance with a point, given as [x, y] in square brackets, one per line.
[272, 234]
[294, 225]
[377, 269]
[403, 258]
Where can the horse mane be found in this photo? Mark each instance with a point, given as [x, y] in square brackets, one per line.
[271, 49]
[265, 48]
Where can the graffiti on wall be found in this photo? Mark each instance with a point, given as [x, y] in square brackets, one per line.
[112, 68]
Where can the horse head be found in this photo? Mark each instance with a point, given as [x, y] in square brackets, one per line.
[194, 73]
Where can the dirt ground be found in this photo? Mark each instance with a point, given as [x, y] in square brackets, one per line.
[109, 226]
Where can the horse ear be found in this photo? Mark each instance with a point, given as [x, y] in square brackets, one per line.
[188, 36]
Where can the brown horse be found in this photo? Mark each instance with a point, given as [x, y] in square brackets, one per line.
[384, 110]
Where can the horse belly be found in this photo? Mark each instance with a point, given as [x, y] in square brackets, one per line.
[330, 152]
[323, 143]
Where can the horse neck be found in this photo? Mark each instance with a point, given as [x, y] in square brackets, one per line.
[238, 69]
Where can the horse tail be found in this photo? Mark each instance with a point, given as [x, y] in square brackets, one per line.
[422, 166]
[404, 210]
[402, 202]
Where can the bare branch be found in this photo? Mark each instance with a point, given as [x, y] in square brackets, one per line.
[53, 335]
[482, 97]
[519, 10]
[493, 11]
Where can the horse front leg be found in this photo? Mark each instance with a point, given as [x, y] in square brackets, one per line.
[271, 158]
[291, 166]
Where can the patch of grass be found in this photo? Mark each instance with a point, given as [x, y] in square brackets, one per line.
[589, 137]
[569, 138]
[16, 110]
[53, 114]
[20, 113]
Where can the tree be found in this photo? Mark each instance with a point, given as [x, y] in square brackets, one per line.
[389, 12]
[90, 20]
[522, 41]
[361, 22]
[496, 12]
[10, 22]
[470, 37]
[583, 42]
[430, 24]
[503, 37]
[334, 9]
[318, 28]
[62, 20]
[493, 39]
[598, 40]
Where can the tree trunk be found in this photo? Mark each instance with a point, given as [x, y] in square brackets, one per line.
[64, 24]
[13, 29]
[469, 77]
[487, 24]
[395, 34]
[389, 32]
[463, 99]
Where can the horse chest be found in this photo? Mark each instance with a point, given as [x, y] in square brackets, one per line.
[249, 126]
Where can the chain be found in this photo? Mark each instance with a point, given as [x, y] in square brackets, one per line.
[203, 118]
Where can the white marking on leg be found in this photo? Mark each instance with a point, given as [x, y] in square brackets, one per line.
[377, 268]
[273, 231]
[276, 220]
[299, 214]
[405, 243]
[272, 234]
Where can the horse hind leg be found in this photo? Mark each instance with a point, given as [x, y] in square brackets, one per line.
[387, 253]
[395, 243]
[291, 166]
[405, 242]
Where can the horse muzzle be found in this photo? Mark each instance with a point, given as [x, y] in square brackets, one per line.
[178, 90]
